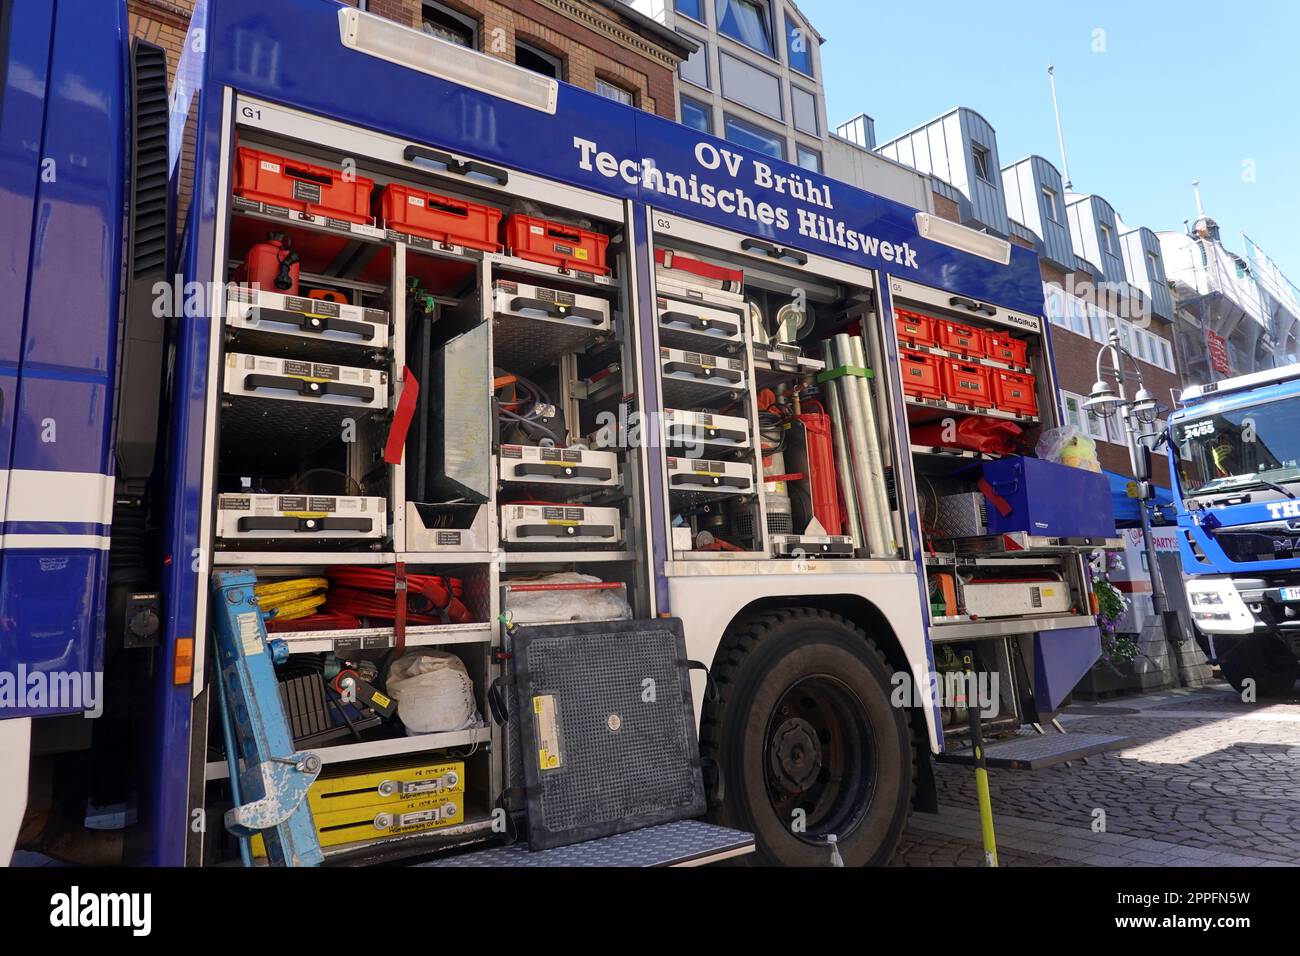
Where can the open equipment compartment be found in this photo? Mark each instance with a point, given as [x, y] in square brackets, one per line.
[978, 389]
[759, 453]
[385, 369]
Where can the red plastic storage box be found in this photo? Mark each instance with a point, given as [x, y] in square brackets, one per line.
[914, 328]
[1015, 392]
[920, 373]
[440, 218]
[318, 190]
[1003, 348]
[556, 244]
[965, 384]
[959, 338]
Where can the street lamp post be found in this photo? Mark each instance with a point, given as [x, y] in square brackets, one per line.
[1105, 402]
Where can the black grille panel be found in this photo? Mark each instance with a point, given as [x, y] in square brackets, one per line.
[620, 697]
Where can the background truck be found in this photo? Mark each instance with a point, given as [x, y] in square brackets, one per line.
[1235, 452]
[449, 352]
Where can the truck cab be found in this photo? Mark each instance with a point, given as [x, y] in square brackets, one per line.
[1234, 451]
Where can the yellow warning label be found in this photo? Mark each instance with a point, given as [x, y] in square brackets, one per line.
[580, 254]
[380, 700]
[546, 722]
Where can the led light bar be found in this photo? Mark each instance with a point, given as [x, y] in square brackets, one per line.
[367, 33]
[961, 237]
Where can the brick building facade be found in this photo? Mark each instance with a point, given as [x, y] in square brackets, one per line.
[596, 45]
[1075, 357]
[600, 46]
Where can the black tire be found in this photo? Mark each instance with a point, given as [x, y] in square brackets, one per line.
[1267, 661]
[804, 721]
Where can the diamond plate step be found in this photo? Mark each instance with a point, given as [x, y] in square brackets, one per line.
[1038, 751]
[681, 843]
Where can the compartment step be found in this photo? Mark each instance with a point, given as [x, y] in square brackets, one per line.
[1034, 752]
[680, 843]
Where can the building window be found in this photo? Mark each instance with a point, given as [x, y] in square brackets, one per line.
[798, 45]
[1107, 245]
[1079, 317]
[538, 60]
[983, 162]
[446, 24]
[749, 21]
[697, 115]
[1096, 426]
[1054, 302]
[743, 83]
[1072, 410]
[804, 107]
[1049, 200]
[809, 159]
[756, 138]
[690, 8]
[1153, 264]
[615, 93]
[695, 68]
[1097, 322]
[1143, 348]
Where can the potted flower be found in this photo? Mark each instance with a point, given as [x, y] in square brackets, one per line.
[1114, 672]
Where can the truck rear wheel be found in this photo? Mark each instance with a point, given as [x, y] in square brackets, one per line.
[806, 741]
[1264, 659]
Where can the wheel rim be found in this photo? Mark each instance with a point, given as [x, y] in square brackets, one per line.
[819, 756]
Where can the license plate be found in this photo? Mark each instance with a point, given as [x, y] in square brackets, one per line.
[1291, 594]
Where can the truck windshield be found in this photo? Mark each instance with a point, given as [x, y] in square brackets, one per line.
[1237, 448]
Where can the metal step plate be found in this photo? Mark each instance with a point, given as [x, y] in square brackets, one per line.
[680, 843]
[1038, 751]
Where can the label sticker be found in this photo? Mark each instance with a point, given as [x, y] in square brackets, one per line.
[306, 192]
[546, 722]
[250, 633]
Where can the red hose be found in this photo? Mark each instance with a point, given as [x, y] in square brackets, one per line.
[371, 592]
[320, 621]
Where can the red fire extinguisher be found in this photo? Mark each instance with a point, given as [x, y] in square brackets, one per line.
[271, 265]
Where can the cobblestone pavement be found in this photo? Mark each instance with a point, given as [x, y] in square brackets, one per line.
[1205, 780]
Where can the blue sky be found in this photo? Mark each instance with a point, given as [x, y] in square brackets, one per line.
[1183, 90]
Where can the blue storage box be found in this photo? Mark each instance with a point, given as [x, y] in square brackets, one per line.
[1048, 499]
